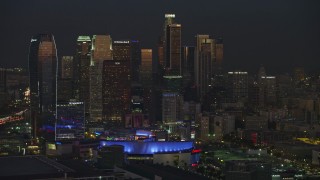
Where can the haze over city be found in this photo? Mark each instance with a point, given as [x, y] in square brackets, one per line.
[160, 89]
[278, 34]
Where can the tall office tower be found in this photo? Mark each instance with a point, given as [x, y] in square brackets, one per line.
[116, 91]
[173, 50]
[218, 75]
[237, 86]
[160, 51]
[121, 51]
[219, 51]
[204, 64]
[70, 123]
[146, 67]
[135, 60]
[65, 79]
[169, 19]
[81, 75]
[101, 50]
[187, 64]
[65, 88]
[67, 67]
[172, 107]
[146, 78]
[268, 89]
[43, 79]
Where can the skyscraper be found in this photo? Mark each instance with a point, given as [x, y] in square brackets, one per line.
[65, 79]
[146, 78]
[135, 60]
[43, 79]
[218, 75]
[116, 83]
[268, 90]
[187, 64]
[169, 19]
[67, 67]
[204, 64]
[160, 51]
[116, 90]
[173, 50]
[81, 71]
[219, 51]
[146, 67]
[237, 86]
[172, 107]
[121, 51]
[101, 50]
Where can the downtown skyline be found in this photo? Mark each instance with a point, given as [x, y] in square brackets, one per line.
[278, 35]
[172, 89]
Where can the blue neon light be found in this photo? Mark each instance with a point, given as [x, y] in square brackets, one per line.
[65, 126]
[135, 147]
[48, 127]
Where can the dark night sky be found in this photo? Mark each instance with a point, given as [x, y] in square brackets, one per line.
[279, 34]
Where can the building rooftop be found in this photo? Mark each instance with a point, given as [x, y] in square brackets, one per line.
[27, 167]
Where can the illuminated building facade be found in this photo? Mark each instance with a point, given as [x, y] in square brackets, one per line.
[116, 90]
[219, 51]
[169, 153]
[136, 147]
[172, 107]
[65, 79]
[160, 51]
[268, 90]
[136, 120]
[67, 67]
[169, 19]
[64, 90]
[43, 79]
[237, 85]
[135, 60]
[187, 64]
[137, 104]
[121, 51]
[204, 64]
[173, 50]
[101, 50]
[146, 78]
[81, 71]
[70, 123]
[218, 74]
[146, 67]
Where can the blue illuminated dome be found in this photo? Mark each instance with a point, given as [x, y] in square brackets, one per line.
[136, 147]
